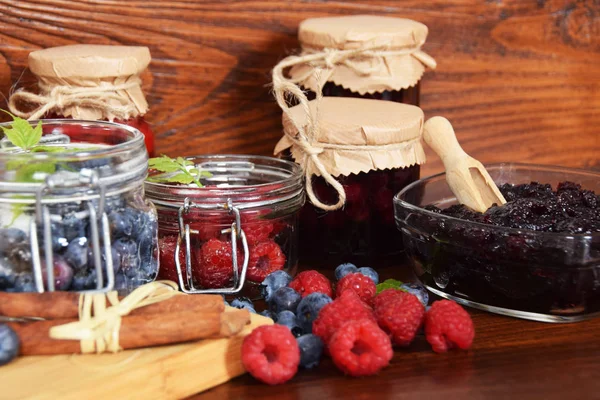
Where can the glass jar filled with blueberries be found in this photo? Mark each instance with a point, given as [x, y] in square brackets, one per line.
[73, 215]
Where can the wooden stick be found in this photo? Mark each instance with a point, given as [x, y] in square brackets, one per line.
[65, 305]
[137, 331]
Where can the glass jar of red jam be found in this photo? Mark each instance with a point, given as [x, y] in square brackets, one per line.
[373, 149]
[73, 214]
[240, 226]
[363, 56]
[88, 82]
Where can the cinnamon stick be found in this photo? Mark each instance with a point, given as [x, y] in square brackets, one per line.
[64, 305]
[137, 331]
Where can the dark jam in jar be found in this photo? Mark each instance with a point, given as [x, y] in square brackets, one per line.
[406, 96]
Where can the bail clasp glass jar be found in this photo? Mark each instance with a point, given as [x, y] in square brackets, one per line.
[73, 214]
[238, 227]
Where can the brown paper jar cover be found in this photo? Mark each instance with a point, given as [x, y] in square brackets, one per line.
[365, 134]
[393, 72]
[93, 66]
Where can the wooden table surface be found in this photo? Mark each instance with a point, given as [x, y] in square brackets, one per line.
[510, 359]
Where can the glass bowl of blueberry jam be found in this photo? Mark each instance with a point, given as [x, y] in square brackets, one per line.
[73, 215]
[536, 257]
[234, 226]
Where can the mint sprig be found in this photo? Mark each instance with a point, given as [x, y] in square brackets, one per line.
[176, 170]
[390, 284]
[22, 134]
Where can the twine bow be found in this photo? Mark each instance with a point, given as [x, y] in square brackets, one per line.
[55, 98]
[307, 135]
[100, 332]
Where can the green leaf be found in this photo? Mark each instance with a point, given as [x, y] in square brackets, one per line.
[35, 172]
[22, 134]
[177, 178]
[163, 164]
[169, 166]
[389, 284]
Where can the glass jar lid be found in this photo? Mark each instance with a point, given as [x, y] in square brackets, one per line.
[79, 160]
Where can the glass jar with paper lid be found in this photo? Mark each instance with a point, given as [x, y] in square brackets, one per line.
[366, 56]
[88, 82]
[356, 155]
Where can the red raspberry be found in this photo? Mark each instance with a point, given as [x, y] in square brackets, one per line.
[347, 307]
[399, 314]
[359, 283]
[265, 258]
[271, 354]
[214, 268]
[257, 231]
[360, 348]
[308, 282]
[448, 325]
[168, 269]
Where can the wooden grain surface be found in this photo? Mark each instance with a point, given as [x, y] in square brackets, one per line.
[519, 79]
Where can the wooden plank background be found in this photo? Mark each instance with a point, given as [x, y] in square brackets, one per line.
[519, 79]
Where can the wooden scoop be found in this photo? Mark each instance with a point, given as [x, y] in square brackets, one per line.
[468, 179]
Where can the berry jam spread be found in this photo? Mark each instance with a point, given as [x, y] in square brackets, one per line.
[548, 264]
[537, 207]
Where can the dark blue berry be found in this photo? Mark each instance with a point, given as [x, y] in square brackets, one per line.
[63, 273]
[127, 254]
[369, 272]
[84, 280]
[9, 344]
[243, 303]
[344, 269]
[149, 268]
[311, 350]
[23, 283]
[121, 223]
[274, 281]
[269, 314]
[10, 237]
[309, 309]
[59, 241]
[418, 290]
[285, 298]
[121, 283]
[7, 275]
[289, 320]
[77, 253]
[73, 226]
[148, 242]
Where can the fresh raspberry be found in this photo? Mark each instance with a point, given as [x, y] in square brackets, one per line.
[257, 231]
[347, 307]
[308, 282]
[271, 354]
[214, 268]
[360, 348]
[265, 258]
[448, 325]
[168, 269]
[359, 283]
[400, 314]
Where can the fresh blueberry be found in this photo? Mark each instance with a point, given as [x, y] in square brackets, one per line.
[274, 281]
[344, 269]
[369, 272]
[121, 223]
[127, 254]
[59, 241]
[269, 314]
[7, 275]
[148, 241]
[9, 344]
[289, 320]
[20, 257]
[149, 268]
[10, 237]
[23, 283]
[142, 220]
[73, 226]
[84, 280]
[77, 253]
[311, 350]
[418, 290]
[243, 303]
[309, 308]
[285, 298]
[63, 273]
[121, 283]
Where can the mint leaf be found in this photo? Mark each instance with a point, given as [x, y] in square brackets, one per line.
[22, 134]
[389, 284]
[163, 164]
[35, 172]
[175, 170]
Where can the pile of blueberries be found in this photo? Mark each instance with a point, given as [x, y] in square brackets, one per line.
[134, 249]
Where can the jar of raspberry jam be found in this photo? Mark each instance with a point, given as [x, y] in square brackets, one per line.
[88, 82]
[364, 56]
[373, 149]
[238, 227]
[73, 215]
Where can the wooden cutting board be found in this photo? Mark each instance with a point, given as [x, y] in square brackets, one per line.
[167, 372]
